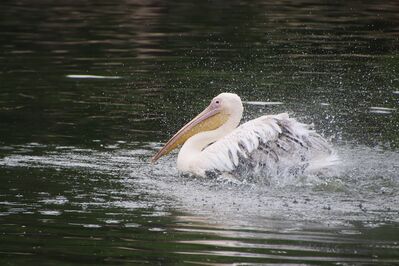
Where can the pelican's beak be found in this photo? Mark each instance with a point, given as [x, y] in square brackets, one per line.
[209, 119]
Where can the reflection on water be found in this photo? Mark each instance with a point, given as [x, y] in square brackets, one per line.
[89, 90]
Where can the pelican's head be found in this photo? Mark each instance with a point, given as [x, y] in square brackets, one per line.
[222, 108]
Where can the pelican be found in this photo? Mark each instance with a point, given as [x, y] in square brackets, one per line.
[272, 144]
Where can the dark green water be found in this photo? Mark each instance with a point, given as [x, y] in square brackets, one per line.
[90, 89]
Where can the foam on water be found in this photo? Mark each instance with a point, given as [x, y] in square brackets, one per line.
[360, 193]
[363, 188]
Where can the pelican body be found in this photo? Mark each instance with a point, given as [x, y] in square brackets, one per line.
[270, 145]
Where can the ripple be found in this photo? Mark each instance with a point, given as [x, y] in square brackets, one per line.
[244, 244]
[50, 212]
[132, 225]
[262, 103]
[381, 110]
[59, 200]
[156, 229]
[309, 258]
[325, 216]
[92, 77]
[86, 225]
[112, 221]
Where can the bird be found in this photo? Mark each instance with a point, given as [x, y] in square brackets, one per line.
[213, 143]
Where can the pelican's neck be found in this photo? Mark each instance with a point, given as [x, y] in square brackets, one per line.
[194, 145]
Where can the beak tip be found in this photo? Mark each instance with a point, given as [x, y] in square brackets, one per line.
[153, 160]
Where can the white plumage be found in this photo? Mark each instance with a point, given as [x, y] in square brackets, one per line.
[268, 146]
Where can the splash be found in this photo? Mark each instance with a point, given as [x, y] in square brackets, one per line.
[364, 188]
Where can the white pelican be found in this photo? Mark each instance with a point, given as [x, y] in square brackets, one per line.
[270, 144]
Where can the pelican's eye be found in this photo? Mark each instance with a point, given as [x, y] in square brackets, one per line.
[217, 101]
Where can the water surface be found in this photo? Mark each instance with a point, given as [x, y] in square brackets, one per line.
[90, 90]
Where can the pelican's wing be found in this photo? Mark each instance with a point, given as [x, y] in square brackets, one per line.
[272, 143]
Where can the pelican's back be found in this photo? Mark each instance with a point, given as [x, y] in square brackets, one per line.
[269, 145]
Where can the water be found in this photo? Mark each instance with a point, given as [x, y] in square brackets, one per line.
[90, 90]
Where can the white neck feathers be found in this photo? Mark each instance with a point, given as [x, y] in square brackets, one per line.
[193, 147]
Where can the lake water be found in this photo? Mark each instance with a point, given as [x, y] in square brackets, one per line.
[89, 90]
